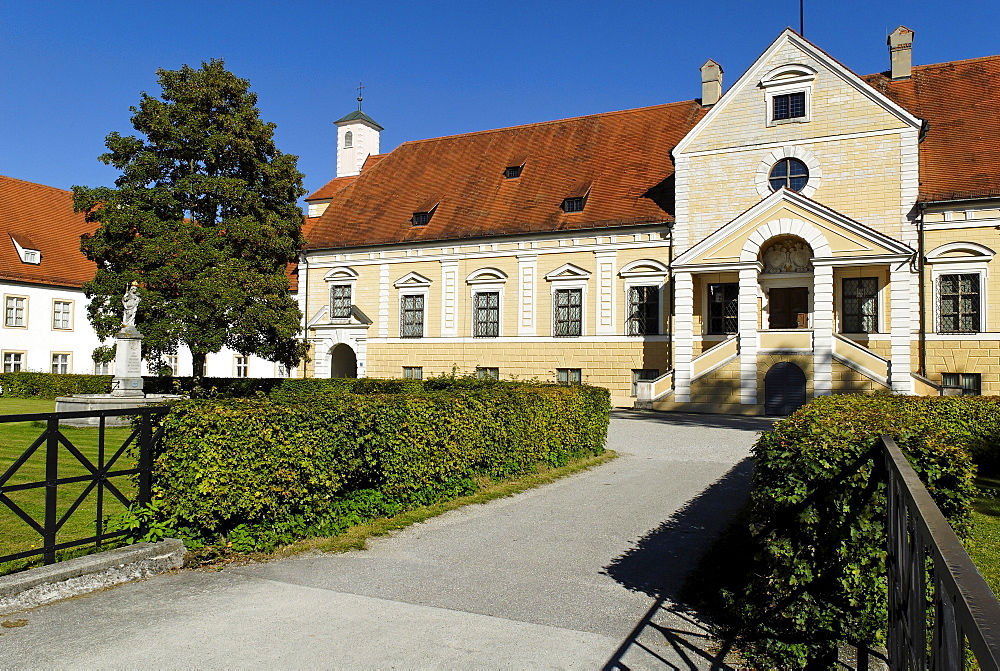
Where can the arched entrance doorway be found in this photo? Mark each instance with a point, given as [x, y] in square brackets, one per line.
[343, 361]
[784, 389]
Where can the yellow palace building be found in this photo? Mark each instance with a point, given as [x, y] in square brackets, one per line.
[806, 231]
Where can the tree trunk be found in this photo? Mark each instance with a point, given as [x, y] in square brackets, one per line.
[198, 364]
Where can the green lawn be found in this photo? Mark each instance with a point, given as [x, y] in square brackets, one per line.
[15, 438]
[984, 543]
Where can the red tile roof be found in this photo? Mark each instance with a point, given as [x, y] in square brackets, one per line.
[332, 187]
[960, 100]
[41, 217]
[624, 157]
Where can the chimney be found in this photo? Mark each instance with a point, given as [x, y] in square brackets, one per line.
[900, 52]
[711, 83]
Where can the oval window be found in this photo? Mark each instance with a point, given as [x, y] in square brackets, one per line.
[790, 173]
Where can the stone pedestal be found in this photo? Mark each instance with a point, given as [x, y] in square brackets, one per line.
[128, 363]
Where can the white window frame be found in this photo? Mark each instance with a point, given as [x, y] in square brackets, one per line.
[568, 276]
[104, 368]
[414, 291]
[645, 273]
[67, 363]
[237, 365]
[24, 311]
[880, 302]
[69, 314]
[411, 284]
[413, 369]
[486, 280]
[783, 80]
[22, 364]
[959, 268]
[341, 275]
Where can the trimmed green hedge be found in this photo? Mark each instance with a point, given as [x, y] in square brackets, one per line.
[259, 473]
[210, 387]
[50, 385]
[818, 510]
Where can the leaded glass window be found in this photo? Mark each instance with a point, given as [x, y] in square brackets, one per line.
[411, 316]
[723, 308]
[789, 106]
[486, 314]
[860, 301]
[340, 301]
[643, 311]
[568, 313]
[958, 303]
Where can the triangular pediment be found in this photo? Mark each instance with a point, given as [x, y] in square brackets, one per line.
[568, 271]
[412, 280]
[786, 213]
[791, 62]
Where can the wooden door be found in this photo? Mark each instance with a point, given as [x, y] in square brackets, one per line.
[785, 304]
[784, 389]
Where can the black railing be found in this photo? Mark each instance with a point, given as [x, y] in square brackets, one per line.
[143, 437]
[963, 608]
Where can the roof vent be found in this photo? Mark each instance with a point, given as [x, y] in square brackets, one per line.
[711, 83]
[900, 43]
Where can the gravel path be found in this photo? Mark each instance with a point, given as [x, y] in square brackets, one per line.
[576, 574]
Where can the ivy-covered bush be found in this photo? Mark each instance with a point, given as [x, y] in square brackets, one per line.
[818, 511]
[26, 384]
[259, 472]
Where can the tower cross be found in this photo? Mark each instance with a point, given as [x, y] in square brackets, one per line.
[360, 96]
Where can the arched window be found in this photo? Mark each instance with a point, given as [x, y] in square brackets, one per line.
[790, 173]
[348, 139]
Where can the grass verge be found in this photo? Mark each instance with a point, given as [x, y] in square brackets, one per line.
[356, 537]
[984, 543]
[15, 438]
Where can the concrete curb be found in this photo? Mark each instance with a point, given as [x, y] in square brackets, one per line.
[73, 577]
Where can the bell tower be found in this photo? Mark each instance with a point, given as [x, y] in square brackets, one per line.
[357, 139]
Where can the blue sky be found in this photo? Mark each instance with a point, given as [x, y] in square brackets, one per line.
[72, 69]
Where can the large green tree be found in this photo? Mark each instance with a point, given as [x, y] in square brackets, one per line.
[204, 217]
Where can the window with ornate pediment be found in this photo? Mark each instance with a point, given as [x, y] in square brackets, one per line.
[788, 93]
[414, 292]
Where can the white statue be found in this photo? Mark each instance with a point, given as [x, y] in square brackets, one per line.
[131, 302]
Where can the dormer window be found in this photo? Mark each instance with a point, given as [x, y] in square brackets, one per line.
[789, 106]
[420, 218]
[25, 250]
[574, 204]
[513, 171]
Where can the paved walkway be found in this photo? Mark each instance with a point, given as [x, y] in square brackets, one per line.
[576, 574]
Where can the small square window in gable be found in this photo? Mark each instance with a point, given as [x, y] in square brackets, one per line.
[789, 106]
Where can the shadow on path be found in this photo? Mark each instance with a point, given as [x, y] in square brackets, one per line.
[670, 634]
[702, 421]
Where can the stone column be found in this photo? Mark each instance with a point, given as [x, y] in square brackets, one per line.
[822, 331]
[899, 328]
[683, 335]
[749, 322]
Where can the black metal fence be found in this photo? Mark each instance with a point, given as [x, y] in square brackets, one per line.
[963, 610]
[110, 462]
